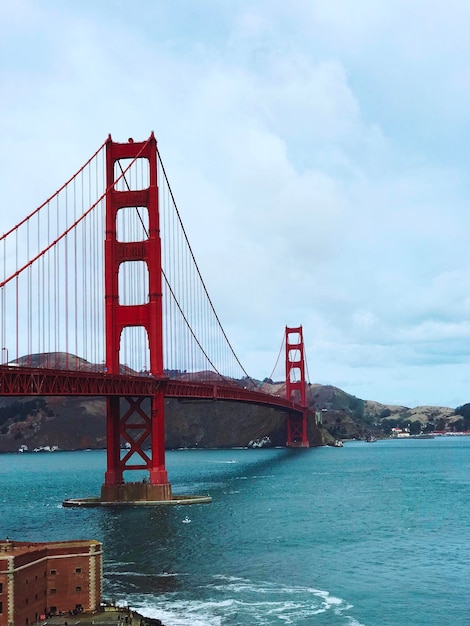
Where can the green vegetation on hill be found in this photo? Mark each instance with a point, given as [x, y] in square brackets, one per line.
[19, 412]
[463, 423]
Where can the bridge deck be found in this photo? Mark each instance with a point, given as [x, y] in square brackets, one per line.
[27, 381]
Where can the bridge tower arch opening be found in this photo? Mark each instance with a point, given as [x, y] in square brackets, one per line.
[296, 387]
[134, 420]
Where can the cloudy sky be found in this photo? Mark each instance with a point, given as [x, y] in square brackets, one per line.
[318, 152]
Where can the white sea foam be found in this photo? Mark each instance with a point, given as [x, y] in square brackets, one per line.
[235, 600]
[181, 613]
[128, 574]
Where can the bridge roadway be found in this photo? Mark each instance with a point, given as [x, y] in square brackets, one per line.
[30, 381]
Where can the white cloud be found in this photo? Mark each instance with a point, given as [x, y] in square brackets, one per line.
[316, 151]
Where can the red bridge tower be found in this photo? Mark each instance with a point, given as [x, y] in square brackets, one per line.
[296, 388]
[134, 422]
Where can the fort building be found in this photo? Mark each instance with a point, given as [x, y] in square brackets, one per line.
[42, 579]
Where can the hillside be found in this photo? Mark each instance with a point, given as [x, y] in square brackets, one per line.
[79, 423]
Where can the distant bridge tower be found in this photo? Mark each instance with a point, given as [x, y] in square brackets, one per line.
[296, 388]
[134, 424]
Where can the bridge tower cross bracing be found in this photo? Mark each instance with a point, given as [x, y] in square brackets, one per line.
[134, 421]
[296, 387]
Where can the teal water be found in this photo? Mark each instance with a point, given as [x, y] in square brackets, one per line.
[372, 534]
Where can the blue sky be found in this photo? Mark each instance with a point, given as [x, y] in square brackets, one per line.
[318, 152]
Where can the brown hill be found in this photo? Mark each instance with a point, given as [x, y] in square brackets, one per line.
[79, 423]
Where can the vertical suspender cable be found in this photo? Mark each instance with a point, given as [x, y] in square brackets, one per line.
[75, 271]
[66, 270]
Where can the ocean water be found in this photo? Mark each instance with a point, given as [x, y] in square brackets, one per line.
[371, 534]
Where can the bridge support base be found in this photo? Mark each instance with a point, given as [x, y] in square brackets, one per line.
[298, 444]
[135, 492]
[97, 502]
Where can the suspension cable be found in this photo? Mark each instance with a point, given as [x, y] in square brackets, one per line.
[199, 273]
[67, 231]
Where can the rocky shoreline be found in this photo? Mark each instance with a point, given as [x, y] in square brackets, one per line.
[110, 615]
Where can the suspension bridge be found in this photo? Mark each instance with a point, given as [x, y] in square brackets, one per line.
[101, 295]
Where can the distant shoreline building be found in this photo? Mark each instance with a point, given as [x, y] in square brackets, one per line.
[400, 433]
[41, 579]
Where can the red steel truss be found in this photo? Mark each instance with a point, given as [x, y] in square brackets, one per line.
[29, 381]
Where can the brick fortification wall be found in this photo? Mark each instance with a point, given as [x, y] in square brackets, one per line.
[37, 579]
